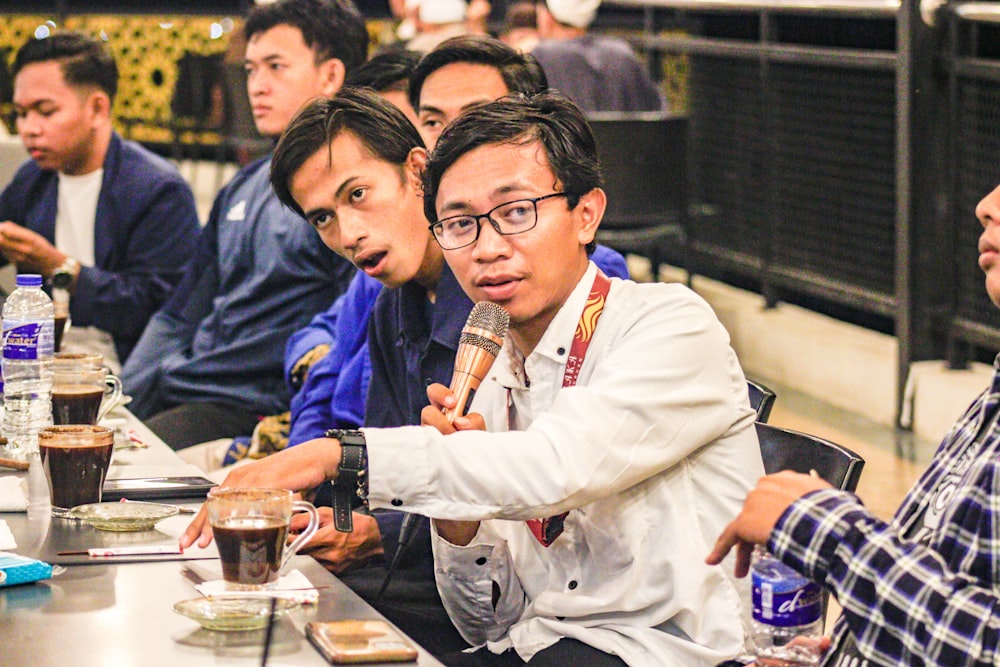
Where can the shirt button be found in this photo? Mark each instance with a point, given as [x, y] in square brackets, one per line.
[572, 585]
[481, 560]
[561, 351]
[396, 502]
[428, 381]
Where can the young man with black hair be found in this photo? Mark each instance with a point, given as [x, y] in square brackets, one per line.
[616, 410]
[101, 218]
[210, 362]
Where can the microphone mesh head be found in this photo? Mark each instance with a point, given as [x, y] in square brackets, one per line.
[486, 327]
[489, 316]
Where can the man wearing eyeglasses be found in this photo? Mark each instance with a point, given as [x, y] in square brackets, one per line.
[572, 510]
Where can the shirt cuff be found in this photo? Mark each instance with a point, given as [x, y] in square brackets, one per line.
[812, 528]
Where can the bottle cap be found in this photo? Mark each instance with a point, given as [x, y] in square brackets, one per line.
[28, 280]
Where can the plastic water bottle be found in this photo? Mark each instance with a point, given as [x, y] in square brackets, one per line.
[28, 336]
[787, 614]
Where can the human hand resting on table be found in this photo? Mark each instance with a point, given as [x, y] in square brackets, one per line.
[30, 251]
[762, 508]
[442, 398]
[338, 551]
[298, 468]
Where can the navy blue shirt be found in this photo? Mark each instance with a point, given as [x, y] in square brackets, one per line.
[261, 273]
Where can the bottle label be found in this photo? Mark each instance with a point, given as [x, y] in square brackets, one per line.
[25, 341]
[786, 603]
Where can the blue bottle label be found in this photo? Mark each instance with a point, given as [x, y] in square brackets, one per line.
[785, 603]
[24, 341]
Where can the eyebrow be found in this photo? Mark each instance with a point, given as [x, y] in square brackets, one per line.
[336, 195]
[427, 108]
[502, 190]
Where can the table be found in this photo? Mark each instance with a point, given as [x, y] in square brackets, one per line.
[121, 613]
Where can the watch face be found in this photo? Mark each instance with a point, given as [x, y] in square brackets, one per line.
[62, 279]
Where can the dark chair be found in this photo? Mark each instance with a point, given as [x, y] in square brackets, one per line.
[643, 160]
[784, 449]
[761, 399]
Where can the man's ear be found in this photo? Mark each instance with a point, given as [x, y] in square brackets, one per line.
[589, 211]
[99, 105]
[333, 73]
[416, 162]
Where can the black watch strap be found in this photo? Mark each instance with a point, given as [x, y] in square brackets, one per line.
[352, 481]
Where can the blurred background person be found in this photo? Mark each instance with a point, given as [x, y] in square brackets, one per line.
[102, 219]
[210, 362]
[598, 72]
[520, 27]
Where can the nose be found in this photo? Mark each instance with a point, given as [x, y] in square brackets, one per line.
[352, 231]
[491, 244]
[256, 82]
[26, 124]
[988, 210]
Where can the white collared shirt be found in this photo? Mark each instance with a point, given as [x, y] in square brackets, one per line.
[652, 452]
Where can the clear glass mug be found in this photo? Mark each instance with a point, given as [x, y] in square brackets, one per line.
[251, 530]
[83, 395]
[75, 460]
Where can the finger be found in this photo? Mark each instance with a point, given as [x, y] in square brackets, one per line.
[441, 396]
[194, 529]
[744, 552]
[723, 544]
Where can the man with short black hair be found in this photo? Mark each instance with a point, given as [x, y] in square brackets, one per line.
[101, 218]
[616, 410]
[210, 362]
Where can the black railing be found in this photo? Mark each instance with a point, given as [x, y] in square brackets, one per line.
[811, 144]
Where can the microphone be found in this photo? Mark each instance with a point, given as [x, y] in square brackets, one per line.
[478, 346]
[480, 343]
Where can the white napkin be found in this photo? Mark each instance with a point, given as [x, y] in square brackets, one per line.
[6, 537]
[293, 586]
[13, 493]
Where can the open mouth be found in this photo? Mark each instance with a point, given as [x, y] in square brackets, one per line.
[370, 262]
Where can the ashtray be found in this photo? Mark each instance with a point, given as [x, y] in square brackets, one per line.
[122, 517]
[234, 613]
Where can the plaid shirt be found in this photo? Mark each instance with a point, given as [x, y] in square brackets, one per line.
[924, 589]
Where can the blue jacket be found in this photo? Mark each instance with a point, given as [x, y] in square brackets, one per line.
[260, 273]
[334, 394]
[145, 231]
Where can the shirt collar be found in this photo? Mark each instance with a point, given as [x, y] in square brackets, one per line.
[556, 341]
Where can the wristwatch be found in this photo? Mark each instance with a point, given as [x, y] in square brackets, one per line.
[65, 273]
[352, 476]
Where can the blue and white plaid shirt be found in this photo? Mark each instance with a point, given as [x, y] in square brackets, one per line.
[924, 589]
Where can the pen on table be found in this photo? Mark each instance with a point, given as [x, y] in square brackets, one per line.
[125, 551]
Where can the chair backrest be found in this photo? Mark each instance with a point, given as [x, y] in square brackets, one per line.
[643, 161]
[784, 449]
[761, 399]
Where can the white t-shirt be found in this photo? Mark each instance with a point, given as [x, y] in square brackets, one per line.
[76, 210]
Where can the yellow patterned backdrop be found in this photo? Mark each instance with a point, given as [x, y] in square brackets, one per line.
[146, 49]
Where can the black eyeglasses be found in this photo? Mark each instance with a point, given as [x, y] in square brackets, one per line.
[509, 218]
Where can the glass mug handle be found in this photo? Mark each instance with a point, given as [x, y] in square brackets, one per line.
[112, 396]
[305, 535]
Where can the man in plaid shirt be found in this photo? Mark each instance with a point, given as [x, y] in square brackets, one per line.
[925, 588]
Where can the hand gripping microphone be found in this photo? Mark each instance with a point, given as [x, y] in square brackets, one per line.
[480, 343]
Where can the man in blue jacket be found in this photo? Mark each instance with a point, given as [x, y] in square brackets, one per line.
[210, 362]
[99, 217]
